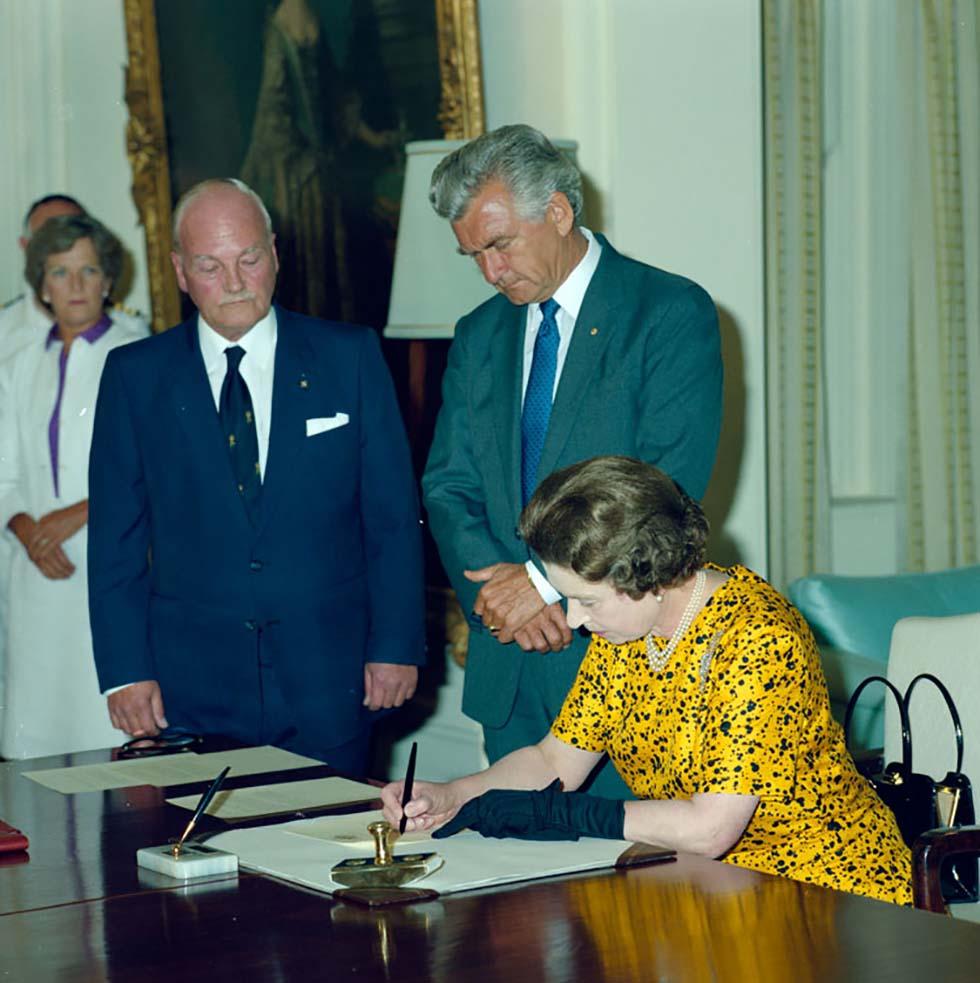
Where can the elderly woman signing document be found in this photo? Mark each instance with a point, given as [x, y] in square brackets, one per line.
[703, 685]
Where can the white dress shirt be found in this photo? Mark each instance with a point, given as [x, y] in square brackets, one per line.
[257, 368]
[569, 297]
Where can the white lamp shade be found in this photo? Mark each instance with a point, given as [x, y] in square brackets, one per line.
[432, 285]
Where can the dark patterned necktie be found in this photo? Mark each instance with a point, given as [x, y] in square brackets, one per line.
[238, 424]
[537, 397]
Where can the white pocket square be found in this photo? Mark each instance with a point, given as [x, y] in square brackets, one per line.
[321, 424]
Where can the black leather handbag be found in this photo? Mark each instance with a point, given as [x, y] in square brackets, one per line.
[920, 802]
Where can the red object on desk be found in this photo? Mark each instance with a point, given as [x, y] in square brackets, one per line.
[11, 839]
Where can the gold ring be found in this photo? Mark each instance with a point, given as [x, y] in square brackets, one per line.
[492, 628]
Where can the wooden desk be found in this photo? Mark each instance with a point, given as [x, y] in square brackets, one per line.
[81, 910]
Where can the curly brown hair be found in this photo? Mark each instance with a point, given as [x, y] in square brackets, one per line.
[617, 519]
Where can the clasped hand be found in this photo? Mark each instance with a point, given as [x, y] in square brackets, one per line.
[511, 607]
[43, 538]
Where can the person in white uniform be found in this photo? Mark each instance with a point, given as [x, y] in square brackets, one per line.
[47, 402]
[25, 321]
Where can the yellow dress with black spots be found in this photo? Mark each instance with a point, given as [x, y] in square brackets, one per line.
[742, 708]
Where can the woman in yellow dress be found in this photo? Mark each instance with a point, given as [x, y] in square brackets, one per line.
[702, 684]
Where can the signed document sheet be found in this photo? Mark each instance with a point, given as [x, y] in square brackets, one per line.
[304, 852]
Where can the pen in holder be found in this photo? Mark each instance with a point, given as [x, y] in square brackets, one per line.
[184, 860]
[386, 869]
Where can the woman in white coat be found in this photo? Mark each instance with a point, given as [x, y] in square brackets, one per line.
[47, 402]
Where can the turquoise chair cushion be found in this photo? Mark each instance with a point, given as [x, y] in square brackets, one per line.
[854, 617]
[859, 613]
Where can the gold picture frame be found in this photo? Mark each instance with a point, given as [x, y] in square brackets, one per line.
[460, 116]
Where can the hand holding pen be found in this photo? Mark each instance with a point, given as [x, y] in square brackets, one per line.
[426, 806]
[407, 790]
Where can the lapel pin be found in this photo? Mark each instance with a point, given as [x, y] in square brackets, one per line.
[594, 332]
[304, 383]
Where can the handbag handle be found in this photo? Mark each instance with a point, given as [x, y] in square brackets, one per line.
[903, 714]
[950, 705]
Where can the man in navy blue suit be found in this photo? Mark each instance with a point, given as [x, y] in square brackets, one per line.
[254, 552]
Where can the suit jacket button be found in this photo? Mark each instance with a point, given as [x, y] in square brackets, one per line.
[250, 625]
[255, 565]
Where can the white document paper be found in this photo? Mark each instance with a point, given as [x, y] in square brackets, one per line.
[471, 861]
[352, 830]
[168, 769]
[265, 800]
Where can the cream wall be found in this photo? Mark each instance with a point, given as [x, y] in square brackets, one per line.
[665, 100]
[63, 117]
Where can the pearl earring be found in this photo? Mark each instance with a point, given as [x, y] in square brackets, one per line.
[659, 598]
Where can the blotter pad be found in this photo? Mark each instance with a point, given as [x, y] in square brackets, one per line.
[194, 860]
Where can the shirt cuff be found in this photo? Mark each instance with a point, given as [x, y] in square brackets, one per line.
[548, 593]
[116, 689]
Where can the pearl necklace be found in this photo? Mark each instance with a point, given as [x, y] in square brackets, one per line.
[659, 658]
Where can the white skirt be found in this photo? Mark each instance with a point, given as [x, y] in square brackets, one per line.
[52, 702]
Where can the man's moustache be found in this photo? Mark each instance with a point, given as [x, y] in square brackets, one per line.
[236, 299]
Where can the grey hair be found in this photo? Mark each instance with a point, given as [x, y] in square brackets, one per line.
[523, 158]
[195, 192]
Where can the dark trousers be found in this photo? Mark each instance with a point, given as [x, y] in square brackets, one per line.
[266, 718]
[277, 727]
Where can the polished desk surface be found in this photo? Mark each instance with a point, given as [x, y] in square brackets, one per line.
[80, 909]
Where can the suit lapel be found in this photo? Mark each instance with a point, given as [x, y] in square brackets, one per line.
[199, 420]
[594, 328]
[506, 366]
[292, 383]
[193, 400]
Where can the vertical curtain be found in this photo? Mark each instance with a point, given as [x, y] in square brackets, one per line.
[941, 465]
[799, 530]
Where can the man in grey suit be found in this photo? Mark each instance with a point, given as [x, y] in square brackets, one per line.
[585, 352]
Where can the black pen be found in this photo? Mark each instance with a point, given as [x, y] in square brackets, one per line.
[199, 811]
[407, 791]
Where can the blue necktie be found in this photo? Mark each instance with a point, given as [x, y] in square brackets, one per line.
[238, 424]
[537, 398]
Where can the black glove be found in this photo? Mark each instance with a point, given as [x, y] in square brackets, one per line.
[550, 814]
